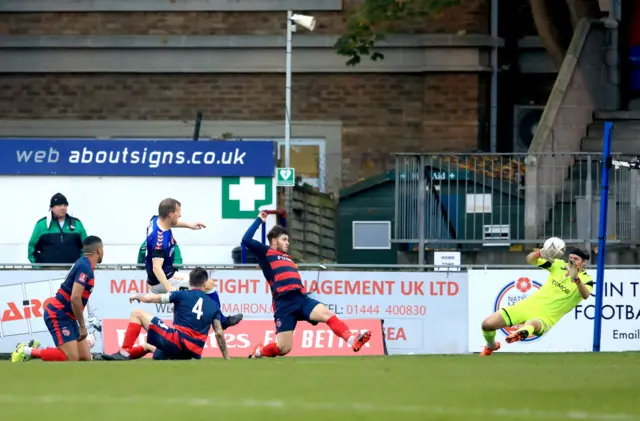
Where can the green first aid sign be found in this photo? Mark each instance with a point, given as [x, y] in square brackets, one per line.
[242, 197]
[286, 177]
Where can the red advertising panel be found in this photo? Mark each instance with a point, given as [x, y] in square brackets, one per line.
[308, 341]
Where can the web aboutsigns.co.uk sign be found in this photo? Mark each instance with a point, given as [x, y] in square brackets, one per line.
[137, 158]
[220, 183]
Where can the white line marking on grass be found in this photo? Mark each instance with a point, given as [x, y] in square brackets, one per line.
[324, 406]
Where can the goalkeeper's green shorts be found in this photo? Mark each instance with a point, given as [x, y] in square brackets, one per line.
[522, 311]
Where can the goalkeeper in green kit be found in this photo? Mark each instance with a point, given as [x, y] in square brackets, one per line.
[568, 284]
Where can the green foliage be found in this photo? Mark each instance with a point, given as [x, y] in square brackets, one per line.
[373, 20]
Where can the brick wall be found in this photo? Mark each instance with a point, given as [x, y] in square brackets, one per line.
[471, 16]
[381, 113]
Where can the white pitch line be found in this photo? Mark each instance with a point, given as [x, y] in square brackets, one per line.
[323, 406]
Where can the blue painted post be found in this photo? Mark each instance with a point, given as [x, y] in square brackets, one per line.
[602, 235]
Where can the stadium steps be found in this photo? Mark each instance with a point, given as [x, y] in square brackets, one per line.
[626, 133]
[562, 219]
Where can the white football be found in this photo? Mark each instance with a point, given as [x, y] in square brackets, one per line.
[557, 244]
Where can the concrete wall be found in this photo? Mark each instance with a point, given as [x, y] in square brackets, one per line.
[166, 6]
[582, 87]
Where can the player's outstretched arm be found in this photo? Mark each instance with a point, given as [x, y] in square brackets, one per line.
[222, 342]
[191, 225]
[150, 298]
[247, 238]
[584, 288]
[547, 254]
[532, 258]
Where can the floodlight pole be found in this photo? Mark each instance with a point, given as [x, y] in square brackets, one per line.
[287, 112]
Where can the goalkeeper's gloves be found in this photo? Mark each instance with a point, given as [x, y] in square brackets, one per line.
[548, 253]
[573, 270]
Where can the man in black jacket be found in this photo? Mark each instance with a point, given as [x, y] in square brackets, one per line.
[58, 237]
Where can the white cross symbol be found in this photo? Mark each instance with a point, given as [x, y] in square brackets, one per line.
[247, 193]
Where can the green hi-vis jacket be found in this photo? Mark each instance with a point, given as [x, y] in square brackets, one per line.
[50, 243]
[177, 255]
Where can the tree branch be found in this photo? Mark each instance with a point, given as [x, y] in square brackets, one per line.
[369, 24]
[554, 20]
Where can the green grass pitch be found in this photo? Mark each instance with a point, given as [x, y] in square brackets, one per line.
[549, 387]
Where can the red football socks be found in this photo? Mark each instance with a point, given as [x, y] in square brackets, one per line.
[270, 350]
[137, 352]
[48, 354]
[339, 328]
[133, 331]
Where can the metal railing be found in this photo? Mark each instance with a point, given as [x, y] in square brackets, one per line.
[464, 201]
[306, 267]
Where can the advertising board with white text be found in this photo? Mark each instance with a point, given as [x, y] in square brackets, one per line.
[413, 305]
[491, 290]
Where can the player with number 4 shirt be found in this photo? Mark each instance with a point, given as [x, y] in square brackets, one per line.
[193, 315]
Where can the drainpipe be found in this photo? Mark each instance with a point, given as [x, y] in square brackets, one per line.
[494, 78]
[612, 55]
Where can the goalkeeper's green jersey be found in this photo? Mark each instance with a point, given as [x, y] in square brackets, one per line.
[559, 295]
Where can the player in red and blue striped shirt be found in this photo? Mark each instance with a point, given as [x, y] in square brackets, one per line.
[63, 314]
[290, 300]
[193, 315]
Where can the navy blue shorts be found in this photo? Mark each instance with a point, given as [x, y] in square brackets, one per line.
[292, 308]
[167, 342]
[62, 328]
